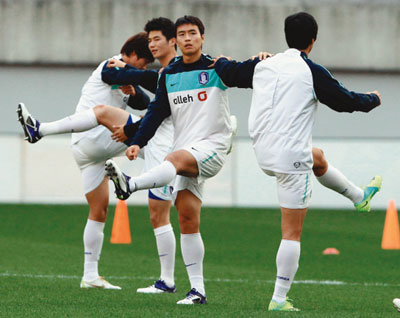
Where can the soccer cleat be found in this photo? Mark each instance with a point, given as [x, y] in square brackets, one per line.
[369, 191]
[29, 124]
[99, 282]
[234, 132]
[193, 297]
[285, 306]
[120, 180]
[159, 287]
[396, 303]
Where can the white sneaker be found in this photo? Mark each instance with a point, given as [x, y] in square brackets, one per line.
[99, 282]
[193, 297]
[29, 124]
[396, 303]
[120, 180]
[234, 132]
[159, 287]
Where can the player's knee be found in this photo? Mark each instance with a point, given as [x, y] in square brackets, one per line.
[174, 159]
[155, 219]
[98, 214]
[159, 212]
[100, 111]
[320, 164]
[292, 235]
[188, 223]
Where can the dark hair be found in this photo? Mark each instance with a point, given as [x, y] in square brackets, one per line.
[138, 44]
[300, 29]
[189, 19]
[165, 25]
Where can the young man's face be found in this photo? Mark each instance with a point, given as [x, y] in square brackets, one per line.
[134, 61]
[189, 39]
[159, 45]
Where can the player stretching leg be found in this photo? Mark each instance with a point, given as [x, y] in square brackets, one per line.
[296, 106]
[201, 141]
[329, 176]
[93, 147]
[161, 32]
[280, 125]
[333, 179]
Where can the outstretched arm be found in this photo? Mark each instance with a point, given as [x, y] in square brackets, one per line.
[130, 75]
[333, 94]
[236, 74]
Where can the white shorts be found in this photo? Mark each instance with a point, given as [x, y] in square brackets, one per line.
[294, 190]
[91, 153]
[210, 160]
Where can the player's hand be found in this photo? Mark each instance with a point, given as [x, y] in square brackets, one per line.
[116, 63]
[118, 133]
[377, 94]
[132, 152]
[128, 90]
[262, 56]
[219, 57]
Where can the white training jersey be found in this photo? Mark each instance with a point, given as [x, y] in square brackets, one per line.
[195, 97]
[96, 92]
[282, 113]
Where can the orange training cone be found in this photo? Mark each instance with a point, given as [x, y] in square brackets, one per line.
[121, 234]
[391, 232]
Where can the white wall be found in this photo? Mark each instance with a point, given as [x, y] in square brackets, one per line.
[355, 34]
[46, 172]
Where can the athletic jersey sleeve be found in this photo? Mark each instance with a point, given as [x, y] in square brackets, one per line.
[140, 100]
[131, 129]
[236, 74]
[158, 110]
[130, 75]
[334, 95]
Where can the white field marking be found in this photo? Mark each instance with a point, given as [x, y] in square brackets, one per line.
[215, 280]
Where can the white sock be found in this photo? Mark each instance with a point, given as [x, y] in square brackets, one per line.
[193, 253]
[287, 262]
[166, 243]
[93, 241]
[77, 122]
[337, 181]
[154, 178]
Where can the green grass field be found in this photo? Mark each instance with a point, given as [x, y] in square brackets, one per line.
[42, 254]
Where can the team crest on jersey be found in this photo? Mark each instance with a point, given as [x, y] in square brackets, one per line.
[203, 78]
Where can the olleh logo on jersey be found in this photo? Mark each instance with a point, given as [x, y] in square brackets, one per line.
[202, 96]
[203, 78]
[183, 99]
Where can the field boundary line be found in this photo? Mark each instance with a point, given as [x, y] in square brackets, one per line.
[215, 280]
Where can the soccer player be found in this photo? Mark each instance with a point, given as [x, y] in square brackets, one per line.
[162, 44]
[286, 89]
[92, 147]
[194, 95]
